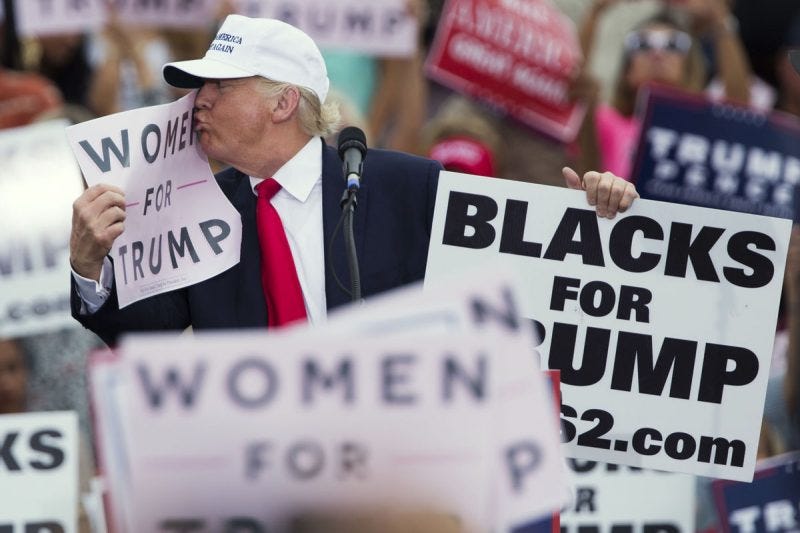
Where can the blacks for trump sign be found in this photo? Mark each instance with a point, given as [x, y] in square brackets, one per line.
[696, 152]
[661, 321]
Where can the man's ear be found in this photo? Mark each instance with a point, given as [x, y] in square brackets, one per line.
[286, 104]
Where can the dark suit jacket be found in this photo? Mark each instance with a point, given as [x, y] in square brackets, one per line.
[392, 228]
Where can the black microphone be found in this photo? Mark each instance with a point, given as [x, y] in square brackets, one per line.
[352, 150]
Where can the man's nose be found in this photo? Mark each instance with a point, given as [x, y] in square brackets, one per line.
[205, 96]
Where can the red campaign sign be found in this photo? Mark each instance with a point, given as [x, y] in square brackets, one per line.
[518, 55]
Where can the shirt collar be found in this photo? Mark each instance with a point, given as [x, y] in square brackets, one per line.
[299, 175]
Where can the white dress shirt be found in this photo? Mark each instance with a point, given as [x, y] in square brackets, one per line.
[299, 205]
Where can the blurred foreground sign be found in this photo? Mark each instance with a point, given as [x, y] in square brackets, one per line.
[661, 321]
[39, 181]
[171, 239]
[697, 152]
[39, 472]
[311, 421]
[372, 27]
[622, 498]
[519, 56]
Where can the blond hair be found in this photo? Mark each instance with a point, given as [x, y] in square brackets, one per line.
[316, 119]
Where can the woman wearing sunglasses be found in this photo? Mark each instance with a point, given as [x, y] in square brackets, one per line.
[659, 50]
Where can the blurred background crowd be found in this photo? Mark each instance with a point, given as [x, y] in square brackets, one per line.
[732, 50]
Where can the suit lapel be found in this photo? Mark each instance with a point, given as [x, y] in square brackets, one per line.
[335, 258]
[249, 295]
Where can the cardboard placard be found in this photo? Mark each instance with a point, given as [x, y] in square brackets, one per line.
[769, 503]
[180, 228]
[39, 182]
[697, 152]
[39, 472]
[660, 321]
[519, 56]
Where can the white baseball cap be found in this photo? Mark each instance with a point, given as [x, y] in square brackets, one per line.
[246, 47]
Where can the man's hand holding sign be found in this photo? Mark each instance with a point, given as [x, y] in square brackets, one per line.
[608, 193]
[97, 220]
[145, 167]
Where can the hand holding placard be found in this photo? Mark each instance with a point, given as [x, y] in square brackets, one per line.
[148, 172]
[609, 194]
[98, 217]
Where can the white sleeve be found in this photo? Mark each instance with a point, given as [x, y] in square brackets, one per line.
[94, 293]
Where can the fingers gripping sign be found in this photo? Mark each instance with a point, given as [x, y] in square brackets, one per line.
[609, 193]
[98, 217]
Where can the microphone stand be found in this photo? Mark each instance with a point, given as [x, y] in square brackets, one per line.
[348, 203]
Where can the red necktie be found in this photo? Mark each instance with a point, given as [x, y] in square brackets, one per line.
[279, 280]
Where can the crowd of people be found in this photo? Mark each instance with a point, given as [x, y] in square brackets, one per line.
[711, 47]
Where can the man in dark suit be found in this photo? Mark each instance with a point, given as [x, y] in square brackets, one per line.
[261, 109]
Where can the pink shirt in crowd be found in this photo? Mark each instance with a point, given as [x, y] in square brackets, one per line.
[617, 136]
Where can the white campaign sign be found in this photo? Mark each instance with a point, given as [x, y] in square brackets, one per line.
[167, 13]
[38, 182]
[661, 321]
[48, 17]
[482, 299]
[39, 472]
[310, 422]
[180, 229]
[608, 496]
[373, 27]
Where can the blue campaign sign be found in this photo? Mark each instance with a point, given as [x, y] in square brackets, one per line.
[770, 504]
[696, 152]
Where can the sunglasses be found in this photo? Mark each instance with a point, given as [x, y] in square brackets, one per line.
[665, 40]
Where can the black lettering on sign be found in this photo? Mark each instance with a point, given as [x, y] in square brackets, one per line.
[511, 239]
[305, 460]
[595, 353]
[359, 19]
[261, 370]
[621, 243]
[148, 155]
[213, 240]
[458, 219]
[475, 382]
[635, 350]
[354, 457]
[155, 266]
[173, 381]
[6, 453]
[715, 374]
[54, 454]
[313, 377]
[740, 250]
[682, 249]
[254, 460]
[181, 246]
[107, 145]
[522, 459]
[564, 241]
[505, 314]
[395, 373]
